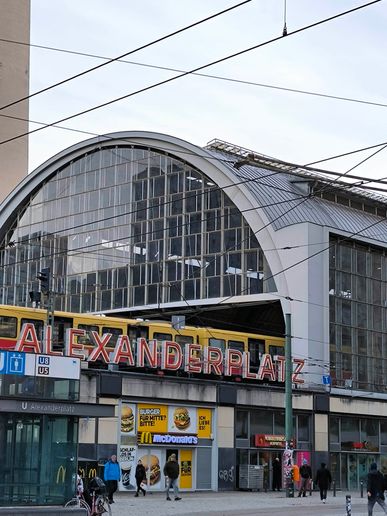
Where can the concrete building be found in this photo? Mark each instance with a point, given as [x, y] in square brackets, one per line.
[146, 225]
[14, 85]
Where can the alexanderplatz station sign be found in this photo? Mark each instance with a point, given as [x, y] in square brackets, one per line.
[167, 355]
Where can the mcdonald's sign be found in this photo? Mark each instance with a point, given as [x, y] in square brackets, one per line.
[92, 472]
[61, 474]
[144, 438]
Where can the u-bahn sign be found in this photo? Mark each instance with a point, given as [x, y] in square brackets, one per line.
[27, 364]
[167, 355]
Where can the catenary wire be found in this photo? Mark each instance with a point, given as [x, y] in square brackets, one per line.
[204, 75]
[142, 47]
[362, 180]
[196, 69]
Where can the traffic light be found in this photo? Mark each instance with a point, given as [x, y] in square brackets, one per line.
[44, 278]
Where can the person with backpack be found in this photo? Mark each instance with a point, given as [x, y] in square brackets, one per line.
[375, 489]
[112, 474]
[323, 481]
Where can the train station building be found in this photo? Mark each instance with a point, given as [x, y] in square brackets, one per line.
[149, 227]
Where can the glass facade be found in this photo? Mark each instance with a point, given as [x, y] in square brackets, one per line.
[37, 459]
[127, 227]
[358, 315]
[257, 422]
[355, 443]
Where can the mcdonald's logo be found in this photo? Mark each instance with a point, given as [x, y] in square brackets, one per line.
[92, 473]
[60, 474]
[144, 438]
[82, 472]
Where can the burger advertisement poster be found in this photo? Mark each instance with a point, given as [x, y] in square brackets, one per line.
[182, 420]
[128, 422]
[152, 463]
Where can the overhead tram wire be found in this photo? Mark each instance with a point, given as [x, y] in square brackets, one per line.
[142, 47]
[169, 152]
[198, 74]
[166, 81]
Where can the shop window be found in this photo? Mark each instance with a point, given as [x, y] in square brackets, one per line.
[261, 422]
[303, 431]
[241, 424]
[349, 432]
[334, 429]
[279, 423]
[369, 434]
[383, 433]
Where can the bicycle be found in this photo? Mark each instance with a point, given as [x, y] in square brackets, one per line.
[99, 504]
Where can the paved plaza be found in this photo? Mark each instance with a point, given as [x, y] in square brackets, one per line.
[239, 503]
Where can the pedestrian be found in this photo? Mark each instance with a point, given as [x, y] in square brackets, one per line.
[140, 477]
[375, 489]
[171, 471]
[277, 473]
[112, 474]
[306, 476]
[323, 480]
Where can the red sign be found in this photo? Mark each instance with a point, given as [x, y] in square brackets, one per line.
[271, 441]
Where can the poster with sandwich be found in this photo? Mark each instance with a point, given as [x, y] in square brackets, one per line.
[152, 463]
[127, 421]
[182, 419]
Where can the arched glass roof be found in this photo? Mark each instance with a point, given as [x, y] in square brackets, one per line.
[127, 226]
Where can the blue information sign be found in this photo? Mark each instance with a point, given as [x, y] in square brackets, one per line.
[12, 362]
[326, 379]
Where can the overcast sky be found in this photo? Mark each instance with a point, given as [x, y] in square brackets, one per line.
[345, 57]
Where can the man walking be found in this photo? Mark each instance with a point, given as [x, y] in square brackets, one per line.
[172, 471]
[277, 474]
[323, 480]
[306, 476]
[112, 474]
[375, 489]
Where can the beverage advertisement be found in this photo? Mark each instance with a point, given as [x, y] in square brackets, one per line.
[127, 460]
[182, 420]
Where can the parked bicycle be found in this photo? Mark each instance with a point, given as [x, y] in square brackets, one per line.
[95, 501]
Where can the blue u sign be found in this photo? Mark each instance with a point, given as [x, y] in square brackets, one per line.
[44, 360]
[3, 362]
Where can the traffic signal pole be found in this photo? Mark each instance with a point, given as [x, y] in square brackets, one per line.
[289, 432]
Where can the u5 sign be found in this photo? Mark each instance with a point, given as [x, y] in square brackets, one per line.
[30, 364]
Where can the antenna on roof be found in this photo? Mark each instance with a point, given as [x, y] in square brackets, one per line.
[285, 30]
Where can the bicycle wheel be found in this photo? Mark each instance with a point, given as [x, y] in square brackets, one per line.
[102, 505]
[78, 502]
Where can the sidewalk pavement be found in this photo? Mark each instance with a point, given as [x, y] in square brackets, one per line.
[238, 503]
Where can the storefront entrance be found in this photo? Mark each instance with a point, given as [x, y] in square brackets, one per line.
[349, 469]
[37, 458]
[154, 460]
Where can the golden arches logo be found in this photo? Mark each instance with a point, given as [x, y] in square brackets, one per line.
[82, 472]
[92, 473]
[61, 474]
[145, 438]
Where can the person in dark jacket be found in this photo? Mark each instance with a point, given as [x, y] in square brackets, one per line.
[306, 476]
[172, 471]
[112, 474]
[375, 489]
[323, 480]
[277, 473]
[140, 477]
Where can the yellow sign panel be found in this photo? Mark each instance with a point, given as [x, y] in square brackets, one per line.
[152, 418]
[204, 423]
[185, 457]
